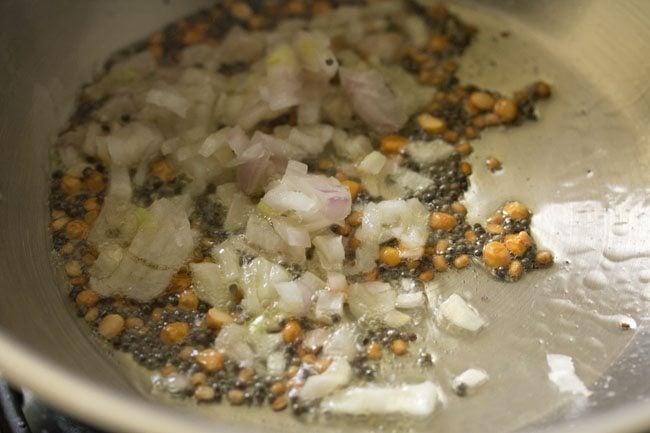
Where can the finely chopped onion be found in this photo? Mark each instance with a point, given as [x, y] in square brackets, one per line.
[263, 212]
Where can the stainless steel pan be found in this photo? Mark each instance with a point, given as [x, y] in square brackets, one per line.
[583, 169]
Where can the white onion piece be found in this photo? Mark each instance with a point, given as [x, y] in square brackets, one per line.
[313, 201]
[169, 99]
[410, 300]
[116, 223]
[120, 183]
[130, 144]
[372, 100]
[330, 251]
[373, 163]
[209, 284]
[281, 88]
[337, 282]
[315, 339]
[164, 237]
[372, 299]
[240, 210]
[456, 313]
[296, 296]
[428, 152]
[290, 233]
[161, 244]
[352, 148]
[225, 193]
[226, 254]
[337, 375]
[342, 342]
[314, 52]
[259, 278]
[260, 232]
[329, 304]
[237, 140]
[469, 381]
[174, 383]
[416, 400]
[562, 373]
[240, 45]
[213, 142]
[263, 343]
[410, 180]
[232, 341]
[275, 364]
[110, 257]
[396, 319]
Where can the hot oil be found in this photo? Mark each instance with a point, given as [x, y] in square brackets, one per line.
[586, 210]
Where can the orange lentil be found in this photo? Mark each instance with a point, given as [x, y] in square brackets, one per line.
[87, 298]
[516, 210]
[461, 261]
[465, 168]
[174, 332]
[374, 351]
[493, 164]
[278, 388]
[92, 314]
[495, 255]
[198, 378]
[77, 229]
[353, 187]
[134, 323]
[204, 393]
[292, 332]
[544, 258]
[341, 177]
[399, 347]
[506, 110]
[216, 318]
[280, 403]
[481, 101]
[431, 124]
[470, 236]
[245, 375]
[426, 276]
[111, 326]
[542, 89]
[464, 149]
[518, 243]
[494, 228]
[180, 282]
[392, 144]
[95, 182]
[292, 371]
[439, 263]
[355, 218]
[325, 164]
[163, 170]
[236, 397]
[188, 300]
[515, 270]
[458, 207]
[389, 256]
[71, 185]
[442, 221]
[210, 360]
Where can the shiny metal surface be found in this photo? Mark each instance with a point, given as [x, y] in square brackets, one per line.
[583, 169]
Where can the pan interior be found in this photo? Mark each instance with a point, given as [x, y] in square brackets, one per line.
[582, 169]
[589, 209]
